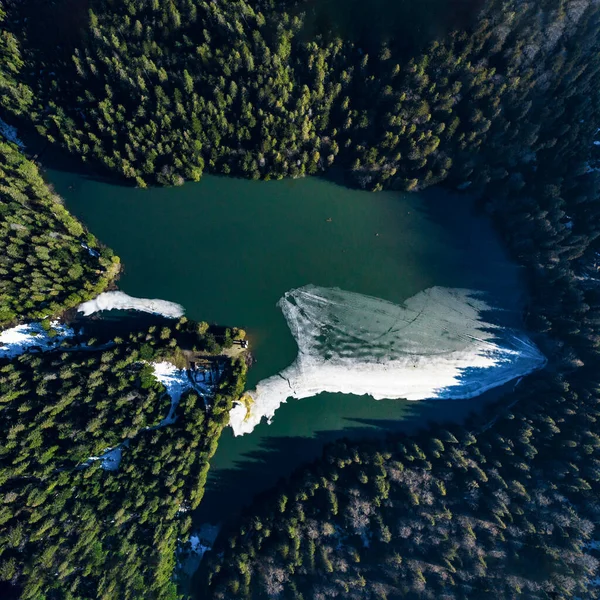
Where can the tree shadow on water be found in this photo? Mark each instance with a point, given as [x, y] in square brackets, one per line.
[230, 490]
[52, 156]
[277, 457]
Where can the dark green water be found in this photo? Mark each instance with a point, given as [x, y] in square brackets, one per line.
[228, 249]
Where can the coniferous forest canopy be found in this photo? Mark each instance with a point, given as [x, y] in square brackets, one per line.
[500, 97]
[160, 91]
[71, 528]
[46, 261]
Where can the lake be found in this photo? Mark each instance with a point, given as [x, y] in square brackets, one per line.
[228, 249]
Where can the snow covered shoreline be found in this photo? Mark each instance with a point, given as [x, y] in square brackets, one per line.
[435, 346]
[34, 337]
[20, 339]
[117, 300]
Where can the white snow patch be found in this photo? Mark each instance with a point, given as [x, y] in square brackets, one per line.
[32, 336]
[10, 133]
[200, 542]
[435, 346]
[111, 458]
[121, 301]
[177, 382]
[91, 251]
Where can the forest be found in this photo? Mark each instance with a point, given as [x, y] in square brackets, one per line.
[73, 527]
[503, 103]
[48, 261]
[159, 92]
[507, 506]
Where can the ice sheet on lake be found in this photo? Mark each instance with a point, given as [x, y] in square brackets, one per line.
[19, 339]
[437, 345]
[121, 301]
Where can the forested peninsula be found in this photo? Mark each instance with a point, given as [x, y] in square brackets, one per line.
[49, 263]
[504, 103]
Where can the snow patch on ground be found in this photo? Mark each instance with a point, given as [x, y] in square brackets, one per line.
[121, 301]
[91, 251]
[10, 134]
[437, 345]
[32, 337]
[111, 458]
[176, 382]
[200, 542]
